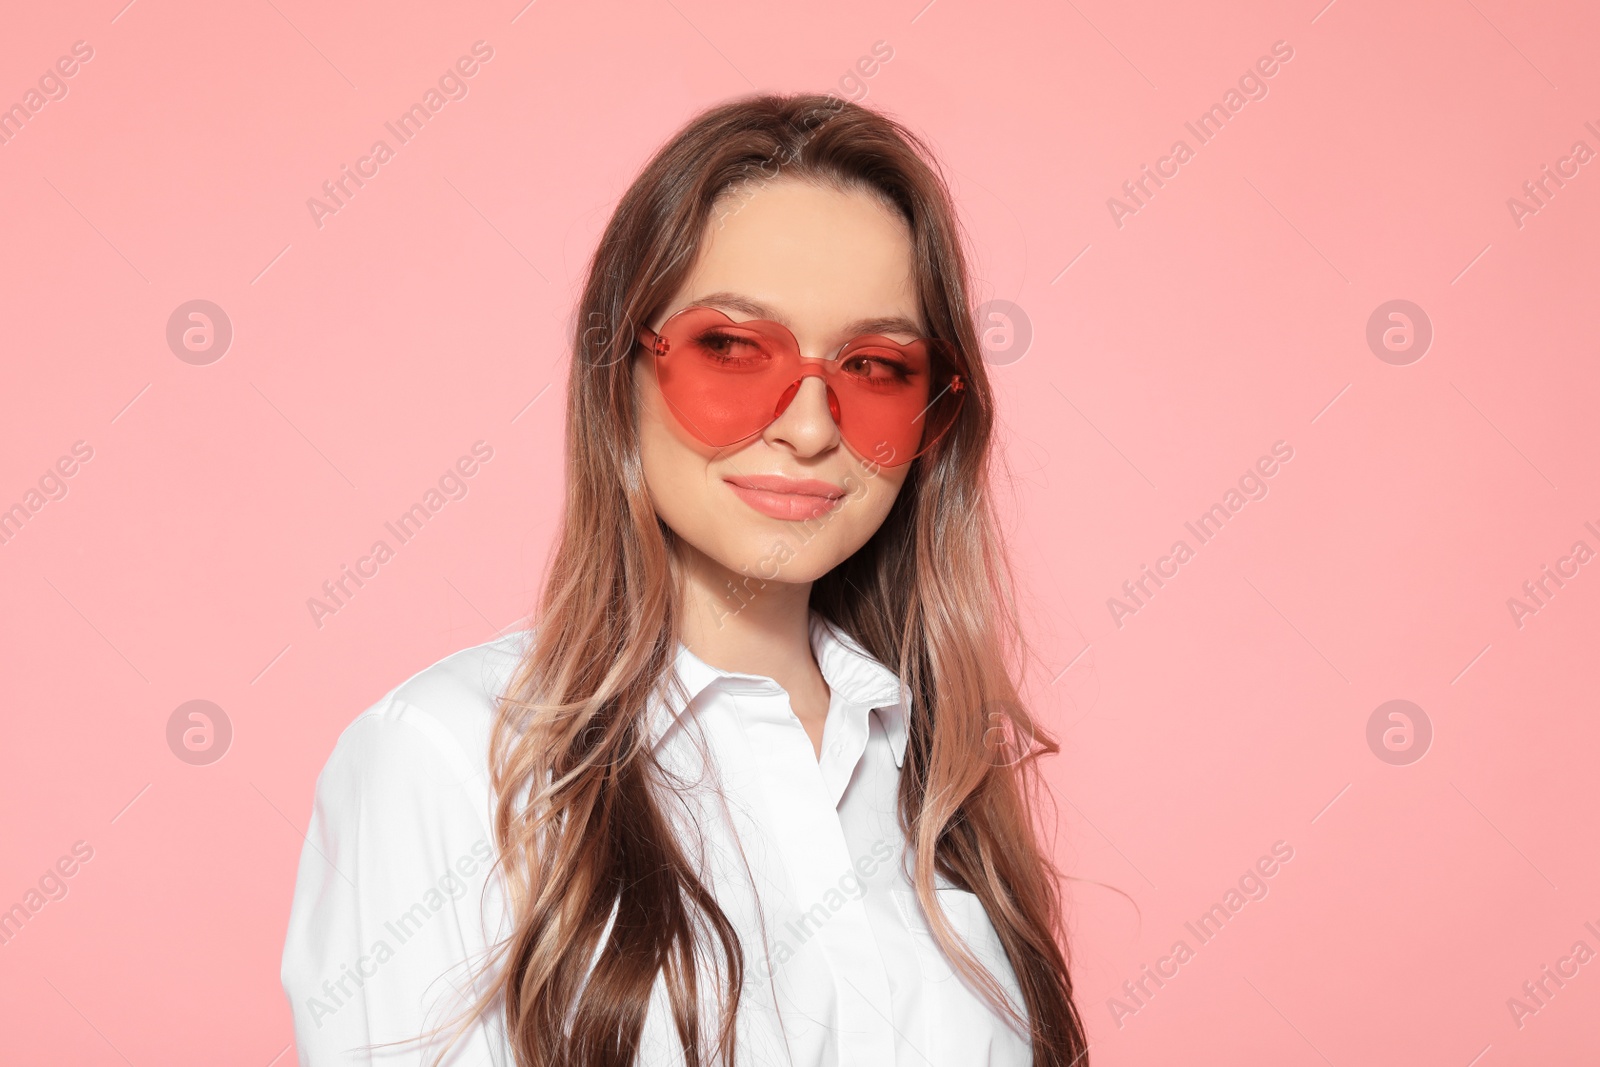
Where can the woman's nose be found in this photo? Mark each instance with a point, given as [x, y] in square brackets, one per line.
[807, 424]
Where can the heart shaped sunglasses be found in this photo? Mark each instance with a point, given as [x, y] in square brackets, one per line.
[726, 381]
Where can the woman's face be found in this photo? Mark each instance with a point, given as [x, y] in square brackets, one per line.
[821, 262]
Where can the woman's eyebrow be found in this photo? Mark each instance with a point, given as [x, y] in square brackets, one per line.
[727, 301]
[896, 324]
[742, 304]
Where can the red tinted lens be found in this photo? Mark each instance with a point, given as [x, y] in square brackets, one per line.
[895, 400]
[722, 378]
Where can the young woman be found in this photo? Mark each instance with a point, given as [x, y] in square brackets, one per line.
[753, 788]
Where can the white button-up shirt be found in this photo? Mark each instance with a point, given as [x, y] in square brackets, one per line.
[396, 897]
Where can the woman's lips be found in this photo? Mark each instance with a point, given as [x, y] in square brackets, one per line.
[786, 498]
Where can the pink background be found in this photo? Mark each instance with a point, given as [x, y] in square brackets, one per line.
[1168, 354]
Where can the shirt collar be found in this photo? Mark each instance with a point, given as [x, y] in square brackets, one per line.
[852, 673]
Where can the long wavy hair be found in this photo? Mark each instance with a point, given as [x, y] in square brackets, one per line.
[603, 896]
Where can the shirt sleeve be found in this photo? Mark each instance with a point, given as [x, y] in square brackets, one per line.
[396, 900]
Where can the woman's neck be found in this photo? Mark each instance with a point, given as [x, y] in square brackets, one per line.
[735, 622]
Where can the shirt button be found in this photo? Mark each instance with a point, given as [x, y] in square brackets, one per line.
[837, 747]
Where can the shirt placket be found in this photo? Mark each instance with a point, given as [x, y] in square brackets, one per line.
[800, 803]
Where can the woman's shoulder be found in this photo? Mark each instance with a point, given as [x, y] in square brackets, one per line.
[399, 851]
[445, 711]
